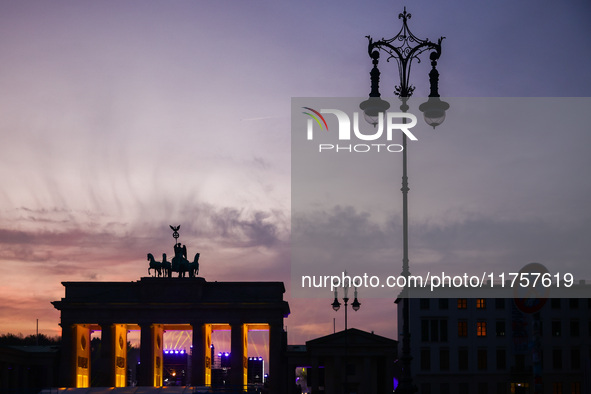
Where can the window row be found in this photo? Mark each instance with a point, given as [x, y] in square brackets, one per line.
[436, 330]
[501, 387]
[462, 359]
[499, 303]
[558, 361]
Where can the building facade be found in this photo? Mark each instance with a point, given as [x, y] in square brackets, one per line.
[493, 345]
[351, 361]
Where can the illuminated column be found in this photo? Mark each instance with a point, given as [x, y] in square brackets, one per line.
[277, 368]
[113, 357]
[81, 350]
[239, 356]
[120, 354]
[201, 372]
[151, 363]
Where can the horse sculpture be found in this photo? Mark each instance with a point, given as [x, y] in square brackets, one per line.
[166, 266]
[154, 265]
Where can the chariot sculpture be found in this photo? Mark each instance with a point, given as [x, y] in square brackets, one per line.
[179, 262]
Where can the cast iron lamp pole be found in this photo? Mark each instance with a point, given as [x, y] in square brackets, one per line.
[336, 305]
[404, 48]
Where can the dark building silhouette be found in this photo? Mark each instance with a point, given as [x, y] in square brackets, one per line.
[28, 369]
[352, 361]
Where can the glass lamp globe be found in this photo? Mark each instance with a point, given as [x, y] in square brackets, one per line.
[434, 111]
[372, 108]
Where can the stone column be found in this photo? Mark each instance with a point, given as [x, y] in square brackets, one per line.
[389, 369]
[120, 354]
[104, 366]
[337, 374]
[277, 365]
[67, 372]
[315, 376]
[201, 358]
[368, 384]
[81, 353]
[238, 357]
[291, 379]
[151, 362]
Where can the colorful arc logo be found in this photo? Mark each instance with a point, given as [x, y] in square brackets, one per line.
[316, 117]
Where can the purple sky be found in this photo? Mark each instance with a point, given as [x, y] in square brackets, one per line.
[118, 119]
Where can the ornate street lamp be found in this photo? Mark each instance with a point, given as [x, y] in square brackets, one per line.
[405, 47]
[336, 305]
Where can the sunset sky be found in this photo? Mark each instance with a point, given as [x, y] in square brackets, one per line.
[120, 118]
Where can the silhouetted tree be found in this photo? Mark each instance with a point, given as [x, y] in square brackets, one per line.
[10, 339]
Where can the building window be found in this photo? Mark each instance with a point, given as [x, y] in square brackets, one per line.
[573, 303]
[522, 387]
[351, 370]
[556, 388]
[482, 388]
[500, 328]
[501, 359]
[425, 359]
[481, 328]
[462, 303]
[462, 328]
[443, 303]
[540, 325]
[575, 358]
[426, 388]
[556, 328]
[424, 302]
[444, 359]
[501, 388]
[574, 328]
[444, 388]
[575, 388]
[481, 303]
[557, 359]
[463, 387]
[425, 330]
[482, 362]
[500, 303]
[555, 303]
[434, 330]
[520, 362]
[463, 359]
[443, 330]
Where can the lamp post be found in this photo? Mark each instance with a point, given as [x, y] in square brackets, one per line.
[405, 47]
[336, 305]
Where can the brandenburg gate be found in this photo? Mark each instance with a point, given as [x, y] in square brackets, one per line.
[155, 304]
